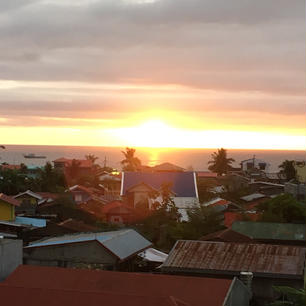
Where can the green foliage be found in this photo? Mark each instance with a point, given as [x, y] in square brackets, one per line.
[284, 209]
[289, 296]
[220, 163]
[163, 226]
[288, 169]
[203, 190]
[202, 220]
[130, 162]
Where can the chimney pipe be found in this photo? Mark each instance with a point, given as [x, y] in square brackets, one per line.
[246, 277]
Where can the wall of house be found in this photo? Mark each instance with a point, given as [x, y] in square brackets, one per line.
[10, 256]
[300, 169]
[238, 295]
[7, 211]
[84, 252]
[28, 204]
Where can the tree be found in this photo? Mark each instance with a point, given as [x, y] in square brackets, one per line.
[284, 209]
[287, 168]
[130, 162]
[91, 157]
[220, 163]
[202, 220]
[289, 296]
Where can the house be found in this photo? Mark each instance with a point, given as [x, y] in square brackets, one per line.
[68, 226]
[74, 168]
[7, 207]
[300, 170]
[227, 235]
[51, 285]
[118, 212]
[82, 194]
[10, 257]
[250, 201]
[10, 167]
[266, 188]
[110, 250]
[297, 190]
[137, 187]
[29, 202]
[271, 265]
[167, 167]
[206, 175]
[273, 233]
[254, 164]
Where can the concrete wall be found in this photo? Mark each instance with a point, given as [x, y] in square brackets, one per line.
[63, 255]
[10, 256]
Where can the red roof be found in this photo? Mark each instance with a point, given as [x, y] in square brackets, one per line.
[230, 217]
[10, 200]
[16, 296]
[115, 205]
[83, 163]
[11, 167]
[206, 174]
[195, 291]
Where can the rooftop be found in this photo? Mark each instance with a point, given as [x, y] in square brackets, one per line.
[124, 284]
[122, 243]
[231, 258]
[183, 183]
[10, 200]
[271, 231]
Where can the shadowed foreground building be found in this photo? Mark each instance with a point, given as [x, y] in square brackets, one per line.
[52, 286]
[107, 249]
[271, 265]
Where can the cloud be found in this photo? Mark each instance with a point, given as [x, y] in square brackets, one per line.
[252, 52]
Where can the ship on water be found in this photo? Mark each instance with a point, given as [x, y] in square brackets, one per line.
[32, 155]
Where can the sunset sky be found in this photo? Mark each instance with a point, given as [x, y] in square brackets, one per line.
[165, 73]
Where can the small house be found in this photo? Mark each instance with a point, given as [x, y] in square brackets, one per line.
[271, 265]
[254, 164]
[52, 285]
[109, 250]
[7, 207]
[137, 187]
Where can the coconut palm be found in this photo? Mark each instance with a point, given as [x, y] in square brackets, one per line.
[220, 163]
[130, 162]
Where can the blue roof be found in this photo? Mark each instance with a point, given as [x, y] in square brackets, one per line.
[183, 183]
[122, 244]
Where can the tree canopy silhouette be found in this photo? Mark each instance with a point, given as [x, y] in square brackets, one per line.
[219, 162]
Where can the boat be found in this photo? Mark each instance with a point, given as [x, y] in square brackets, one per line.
[32, 155]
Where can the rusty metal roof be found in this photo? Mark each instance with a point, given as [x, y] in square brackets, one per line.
[231, 258]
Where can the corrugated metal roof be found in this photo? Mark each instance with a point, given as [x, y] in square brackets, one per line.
[10, 200]
[271, 231]
[183, 183]
[197, 291]
[253, 196]
[122, 244]
[59, 297]
[231, 258]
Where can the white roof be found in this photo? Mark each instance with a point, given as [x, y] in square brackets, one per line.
[30, 193]
[253, 196]
[154, 255]
[213, 201]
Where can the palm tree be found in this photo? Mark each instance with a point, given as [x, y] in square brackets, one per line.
[130, 162]
[91, 157]
[220, 163]
[287, 168]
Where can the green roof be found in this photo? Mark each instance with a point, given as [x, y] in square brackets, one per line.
[271, 231]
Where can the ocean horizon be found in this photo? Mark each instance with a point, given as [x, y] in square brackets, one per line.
[196, 159]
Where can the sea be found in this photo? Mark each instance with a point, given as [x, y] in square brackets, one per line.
[191, 159]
